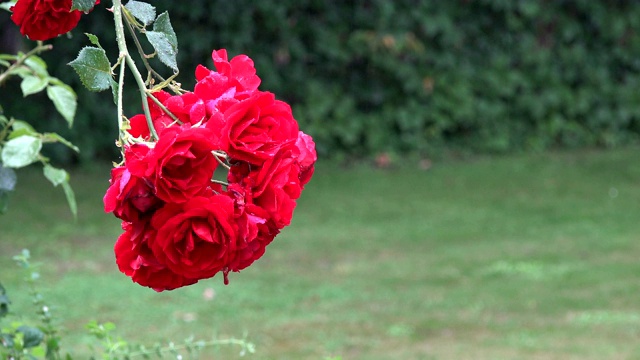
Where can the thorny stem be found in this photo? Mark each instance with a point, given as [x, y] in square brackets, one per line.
[163, 108]
[36, 50]
[218, 155]
[120, 111]
[122, 47]
[220, 182]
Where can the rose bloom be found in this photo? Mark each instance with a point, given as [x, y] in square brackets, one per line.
[256, 128]
[45, 19]
[135, 259]
[306, 157]
[255, 230]
[179, 166]
[129, 197]
[195, 239]
[235, 79]
[188, 108]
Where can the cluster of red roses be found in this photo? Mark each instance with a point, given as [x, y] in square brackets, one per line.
[45, 19]
[181, 226]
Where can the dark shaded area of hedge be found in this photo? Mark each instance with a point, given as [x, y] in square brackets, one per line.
[420, 76]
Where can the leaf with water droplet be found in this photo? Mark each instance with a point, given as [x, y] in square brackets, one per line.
[93, 68]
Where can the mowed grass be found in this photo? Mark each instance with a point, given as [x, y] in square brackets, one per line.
[519, 257]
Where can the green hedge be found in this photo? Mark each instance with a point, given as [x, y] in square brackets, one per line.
[411, 76]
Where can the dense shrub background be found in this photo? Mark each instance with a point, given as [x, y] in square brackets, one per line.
[410, 76]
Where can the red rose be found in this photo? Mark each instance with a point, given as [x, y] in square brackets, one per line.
[235, 79]
[255, 230]
[129, 197]
[306, 158]
[256, 128]
[280, 171]
[188, 108]
[45, 19]
[278, 204]
[179, 166]
[135, 259]
[195, 239]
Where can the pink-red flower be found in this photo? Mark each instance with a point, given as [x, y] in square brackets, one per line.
[129, 197]
[195, 239]
[257, 127]
[45, 19]
[180, 224]
[179, 166]
[136, 260]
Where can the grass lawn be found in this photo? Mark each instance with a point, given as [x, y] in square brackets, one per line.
[519, 257]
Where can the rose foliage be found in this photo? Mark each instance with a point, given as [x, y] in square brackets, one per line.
[181, 222]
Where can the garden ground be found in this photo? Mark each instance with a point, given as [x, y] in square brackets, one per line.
[525, 256]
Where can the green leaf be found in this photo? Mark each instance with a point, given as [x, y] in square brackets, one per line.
[94, 40]
[22, 71]
[83, 5]
[61, 177]
[38, 66]
[22, 125]
[142, 11]
[64, 100]
[114, 91]
[53, 137]
[54, 175]
[32, 336]
[32, 85]
[20, 128]
[163, 25]
[166, 51]
[71, 198]
[93, 68]
[8, 179]
[7, 5]
[21, 151]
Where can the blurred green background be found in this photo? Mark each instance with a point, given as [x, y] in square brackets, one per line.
[526, 249]
[410, 76]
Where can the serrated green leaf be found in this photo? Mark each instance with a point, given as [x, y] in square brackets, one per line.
[94, 40]
[93, 68]
[71, 198]
[32, 336]
[32, 85]
[21, 151]
[38, 66]
[142, 11]
[166, 51]
[163, 25]
[53, 137]
[64, 100]
[83, 5]
[54, 175]
[8, 179]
